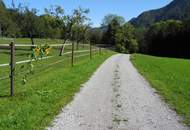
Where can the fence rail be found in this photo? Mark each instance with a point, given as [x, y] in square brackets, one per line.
[13, 63]
[28, 45]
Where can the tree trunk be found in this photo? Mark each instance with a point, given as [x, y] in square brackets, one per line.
[77, 45]
[83, 42]
[32, 41]
[62, 48]
[0, 31]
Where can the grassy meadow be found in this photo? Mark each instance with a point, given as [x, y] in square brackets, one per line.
[50, 88]
[170, 77]
[22, 53]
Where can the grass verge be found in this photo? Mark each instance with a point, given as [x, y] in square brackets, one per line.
[36, 103]
[171, 77]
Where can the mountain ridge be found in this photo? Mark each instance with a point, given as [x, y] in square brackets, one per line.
[177, 10]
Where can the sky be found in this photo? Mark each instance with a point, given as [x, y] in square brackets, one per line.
[98, 8]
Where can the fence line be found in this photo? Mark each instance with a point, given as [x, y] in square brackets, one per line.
[81, 55]
[13, 63]
[27, 61]
[59, 61]
[81, 51]
[25, 45]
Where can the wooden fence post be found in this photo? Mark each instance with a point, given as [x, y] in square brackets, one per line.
[90, 51]
[32, 41]
[72, 57]
[12, 67]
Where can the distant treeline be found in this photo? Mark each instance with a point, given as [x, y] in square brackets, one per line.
[169, 38]
[166, 38]
[21, 21]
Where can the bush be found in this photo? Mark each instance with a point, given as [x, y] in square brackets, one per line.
[133, 46]
[120, 48]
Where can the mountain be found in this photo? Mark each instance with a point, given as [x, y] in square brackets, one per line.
[177, 10]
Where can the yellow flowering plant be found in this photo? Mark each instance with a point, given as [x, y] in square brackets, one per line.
[37, 53]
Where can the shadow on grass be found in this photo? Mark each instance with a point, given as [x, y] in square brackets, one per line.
[5, 96]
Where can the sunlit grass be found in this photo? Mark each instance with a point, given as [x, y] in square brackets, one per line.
[171, 77]
[36, 103]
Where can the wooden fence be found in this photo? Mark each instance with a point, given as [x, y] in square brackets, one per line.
[12, 47]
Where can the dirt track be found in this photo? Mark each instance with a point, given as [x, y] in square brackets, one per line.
[117, 98]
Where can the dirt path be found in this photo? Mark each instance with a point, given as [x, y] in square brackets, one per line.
[117, 98]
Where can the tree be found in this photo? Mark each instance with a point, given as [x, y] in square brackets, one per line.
[164, 39]
[54, 19]
[109, 35]
[8, 28]
[55, 11]
[140, 36]
[81, 24]
[83, 36]
[126, 40]
[107, 20]
[73, 25]
[95, 35]
[2, 4]
[30, 23]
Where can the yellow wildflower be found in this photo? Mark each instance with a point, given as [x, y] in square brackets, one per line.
[37, 50]
[47, 51]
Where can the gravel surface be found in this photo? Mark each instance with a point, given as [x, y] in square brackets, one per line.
[117, 97]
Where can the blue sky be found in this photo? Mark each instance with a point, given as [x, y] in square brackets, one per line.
[98, 8]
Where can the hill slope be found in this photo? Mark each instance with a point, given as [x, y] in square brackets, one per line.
[177, 9]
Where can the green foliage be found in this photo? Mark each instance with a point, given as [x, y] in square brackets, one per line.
[120, 47]
[110, 33]
[24, 22]
[126, 40]
[165, 27]
[167, 38]
[80, 23]
[2, 4]
[119, 34]
[140, 37]
[7, 27]
[170, 77]
[133, 46]
[110, 17]
[95, 35]
[37, 53]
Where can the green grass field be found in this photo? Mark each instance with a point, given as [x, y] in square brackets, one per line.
[51, 87]
[22, 53]
[170, 77]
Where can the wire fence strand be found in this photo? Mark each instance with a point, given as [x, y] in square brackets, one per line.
[45, 65]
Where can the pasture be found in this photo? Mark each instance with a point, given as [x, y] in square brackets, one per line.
[51, 86]
[170, 77]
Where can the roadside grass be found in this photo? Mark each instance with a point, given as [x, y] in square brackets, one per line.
[36, 104]
[170, 77]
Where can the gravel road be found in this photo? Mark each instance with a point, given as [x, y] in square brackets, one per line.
[117, 97]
